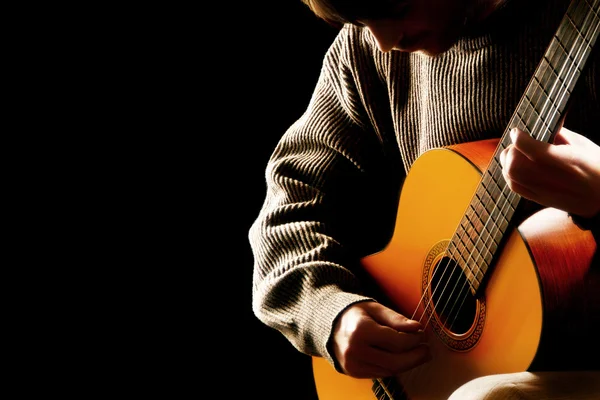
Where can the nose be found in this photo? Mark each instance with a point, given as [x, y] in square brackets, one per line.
[386, 32]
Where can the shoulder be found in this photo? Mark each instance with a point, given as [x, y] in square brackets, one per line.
[355, 50]
[352, 40]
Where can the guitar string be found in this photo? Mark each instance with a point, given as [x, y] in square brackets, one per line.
[485, 227]
[542, 128]
[548, 103]
[535, 128]
[487, 246]
[586, 22]
[512, 195]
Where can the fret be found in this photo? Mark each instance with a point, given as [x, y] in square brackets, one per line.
[458, 256]
[474, 219]
[539, 112]
[490, 228]
[537, 96]
[582, 21]
[468, 249]
[494, 173]
[549, 105]
[531, 110]
[473, 272]
[468, 229]
[495, 189]
[484, 199]
[488, 223]
[502, 193]
[549, 76]
[545, 99]
[490, 203]
[472, 258]
[387, 389]
[563, 54]
[530, 104]
[564, 46]
[465, 251]
[591, 8]
[474, 276]
[480, 213]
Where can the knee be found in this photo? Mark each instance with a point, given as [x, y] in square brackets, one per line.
[488, 388]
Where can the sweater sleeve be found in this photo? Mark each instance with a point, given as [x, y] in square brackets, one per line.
[330, 192]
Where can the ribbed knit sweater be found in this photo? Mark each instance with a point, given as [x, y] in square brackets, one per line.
[333, 180]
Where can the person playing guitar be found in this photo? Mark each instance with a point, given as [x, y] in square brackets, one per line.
[430, 224]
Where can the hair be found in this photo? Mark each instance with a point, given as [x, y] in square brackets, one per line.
[339, 12]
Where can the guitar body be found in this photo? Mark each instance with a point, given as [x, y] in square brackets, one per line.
[534, 312]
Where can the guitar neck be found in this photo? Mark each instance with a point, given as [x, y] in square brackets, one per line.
[388, 389]
[545, 100]
[540, 113]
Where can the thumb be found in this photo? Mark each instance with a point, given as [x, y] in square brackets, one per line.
[527, 145]
[388, 317]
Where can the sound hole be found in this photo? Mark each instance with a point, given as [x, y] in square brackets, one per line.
[454, 305]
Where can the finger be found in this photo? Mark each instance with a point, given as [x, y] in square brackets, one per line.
[503, 157]
[395, 363]
[546, 194]
[520, 189]
[560, 175]
[376, 363]
[516, 166]
[527, 177]
[388, 317]
[567, 201]
[542, 152]
[360, 369]
[523, 176]
[533, 149]
[387, 330]
[396, 342]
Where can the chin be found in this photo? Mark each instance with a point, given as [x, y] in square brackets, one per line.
[433, 51]
[439, 46]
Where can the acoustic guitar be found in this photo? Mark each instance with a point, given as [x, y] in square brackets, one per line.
[498, 290]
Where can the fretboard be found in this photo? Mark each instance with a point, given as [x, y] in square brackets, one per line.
[387, 389]
[539, 112]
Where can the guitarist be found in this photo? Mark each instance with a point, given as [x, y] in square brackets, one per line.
[400, 78]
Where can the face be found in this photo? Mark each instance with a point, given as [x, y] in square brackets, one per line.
[428, 26]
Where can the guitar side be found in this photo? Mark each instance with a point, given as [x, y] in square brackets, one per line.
[511, 315]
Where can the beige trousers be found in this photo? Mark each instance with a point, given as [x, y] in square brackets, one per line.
[578, 385]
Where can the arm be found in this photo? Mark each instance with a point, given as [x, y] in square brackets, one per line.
[330, 181]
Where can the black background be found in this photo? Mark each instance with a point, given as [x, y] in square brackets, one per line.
[154, 124]
[189, 104]
[275, 61]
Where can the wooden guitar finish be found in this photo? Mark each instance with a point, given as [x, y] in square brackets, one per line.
[539, 302]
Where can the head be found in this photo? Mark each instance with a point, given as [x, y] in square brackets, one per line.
[429, 26]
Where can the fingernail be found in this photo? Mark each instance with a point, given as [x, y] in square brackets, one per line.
[414, 323]
[513, 134]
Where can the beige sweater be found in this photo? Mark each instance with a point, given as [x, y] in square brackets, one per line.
[333, 180]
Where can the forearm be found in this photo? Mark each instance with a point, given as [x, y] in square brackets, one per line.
[304, 263]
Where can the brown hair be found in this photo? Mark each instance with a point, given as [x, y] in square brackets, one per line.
[339, 12]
